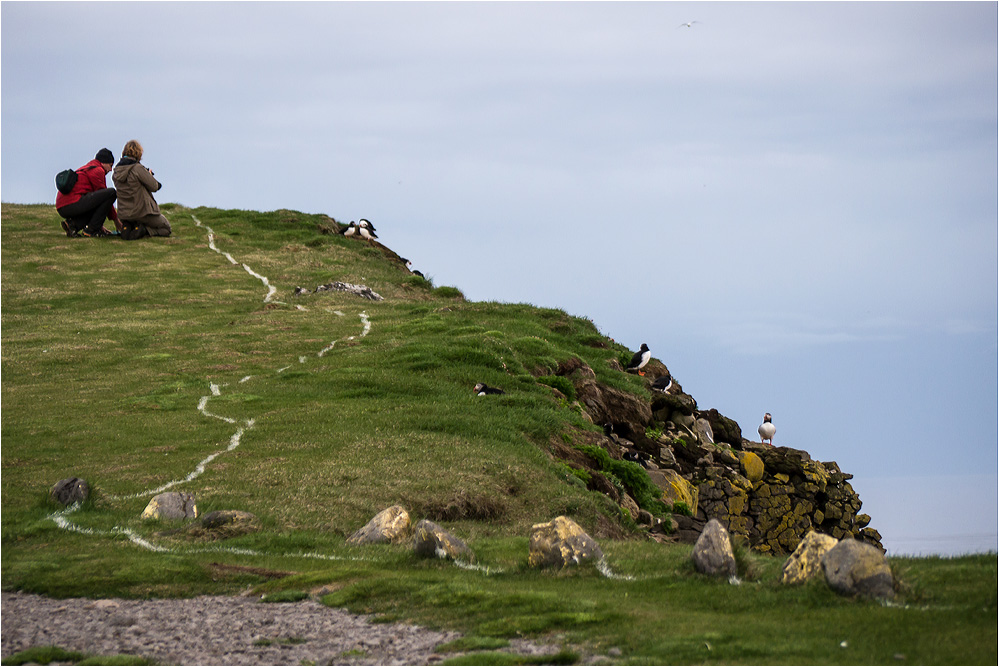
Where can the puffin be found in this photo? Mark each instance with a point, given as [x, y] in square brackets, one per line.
[767, 429]
[641, 458]
[663, 383]
[351, 229]
[482, 389]
[367, 229]
[640, 359]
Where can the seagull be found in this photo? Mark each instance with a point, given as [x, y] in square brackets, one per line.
[688, 24]
[483, 389]
[640, 359]
[767, 429]
[663, 383]
[351, 229]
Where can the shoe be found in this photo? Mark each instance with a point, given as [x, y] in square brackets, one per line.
[70, 232]
[100, 233]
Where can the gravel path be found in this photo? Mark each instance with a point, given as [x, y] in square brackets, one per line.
[219, 630]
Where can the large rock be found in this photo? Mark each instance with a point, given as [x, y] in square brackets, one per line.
[561, 542]
[171, 505]
[806, 561]
[389, 525]
[608, 405]
[70, 490]
[432, 541]
[712, 553]
[724, 429]
[751, 466]
[853, 567]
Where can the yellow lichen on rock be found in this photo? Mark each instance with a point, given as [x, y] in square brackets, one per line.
[752, 466]
[806, 561]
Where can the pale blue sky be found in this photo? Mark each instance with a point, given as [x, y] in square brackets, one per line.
[793, 204]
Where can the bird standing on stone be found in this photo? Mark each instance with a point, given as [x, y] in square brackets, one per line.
[767, 429]
[663, 383]
[640, 359]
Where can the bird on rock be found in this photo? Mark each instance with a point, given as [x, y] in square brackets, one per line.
[767, 429]
[483, 389]
[663, 383]
[640, 359]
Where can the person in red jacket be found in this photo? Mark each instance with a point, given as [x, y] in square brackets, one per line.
[91, 201]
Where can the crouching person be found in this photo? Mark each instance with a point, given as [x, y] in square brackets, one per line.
[140, 215]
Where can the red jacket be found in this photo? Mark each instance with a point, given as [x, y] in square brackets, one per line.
[89, 178]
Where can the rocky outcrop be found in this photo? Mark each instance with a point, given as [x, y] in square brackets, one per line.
[559, 543]
[770, 496]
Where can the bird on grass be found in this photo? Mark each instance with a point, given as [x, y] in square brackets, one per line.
[351, 229]
[641, 358]
[767, 429]
[367, 229]
[641, 458]
[482, 389]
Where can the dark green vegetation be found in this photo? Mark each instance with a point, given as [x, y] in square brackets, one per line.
[109, 347]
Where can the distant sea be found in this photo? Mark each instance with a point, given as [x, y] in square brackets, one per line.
[943, 515]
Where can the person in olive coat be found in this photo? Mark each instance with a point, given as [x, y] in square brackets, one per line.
[139, 212]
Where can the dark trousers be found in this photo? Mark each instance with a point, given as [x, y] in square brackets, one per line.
[90, 212]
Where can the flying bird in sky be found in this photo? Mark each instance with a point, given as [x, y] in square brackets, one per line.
[688, 24]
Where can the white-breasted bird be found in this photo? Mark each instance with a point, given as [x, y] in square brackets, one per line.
[663, 383]
[767, 429]
[351, 229]
[688, 24]
[640, 359]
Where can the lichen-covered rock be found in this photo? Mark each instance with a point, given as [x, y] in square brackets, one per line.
[675, 488]
[712, 552]
[806, 561]
[70, 490]
[751, 466]
[171, 505]
[853, 567]
[561, 542]
[432, 541]
[389, 525]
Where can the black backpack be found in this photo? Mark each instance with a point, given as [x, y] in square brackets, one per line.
[66, 181]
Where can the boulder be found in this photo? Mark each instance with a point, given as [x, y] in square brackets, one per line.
[432, 541]
[702, 429]
[752, 466]
[853, 567]
[609, 405]
[70, 490]
[561, 542]
[171, 505]
[389, 525]
[712, 552]
[806, 561]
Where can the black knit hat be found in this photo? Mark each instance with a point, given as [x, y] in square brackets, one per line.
[105, 156]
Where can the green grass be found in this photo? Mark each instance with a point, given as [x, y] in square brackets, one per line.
[109, 347]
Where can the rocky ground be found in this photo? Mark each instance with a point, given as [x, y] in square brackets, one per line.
[218, 630]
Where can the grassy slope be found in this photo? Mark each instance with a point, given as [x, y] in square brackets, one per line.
[108, 347]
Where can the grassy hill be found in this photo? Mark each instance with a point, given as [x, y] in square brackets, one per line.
[142, 365]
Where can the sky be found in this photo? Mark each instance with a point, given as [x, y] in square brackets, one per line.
[794, 204]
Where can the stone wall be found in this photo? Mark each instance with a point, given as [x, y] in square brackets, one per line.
[770, 496]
